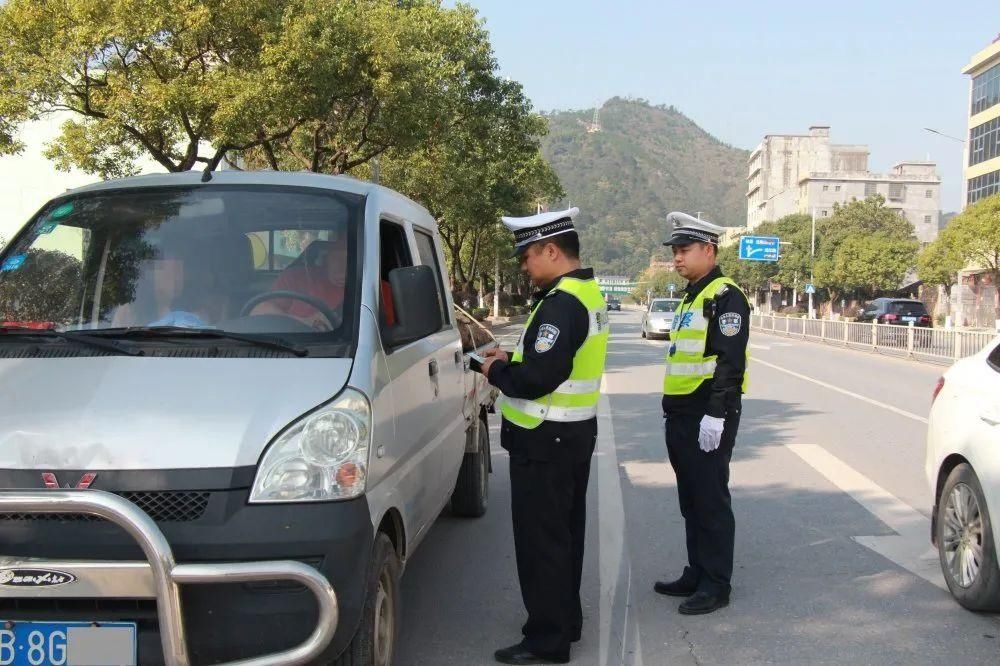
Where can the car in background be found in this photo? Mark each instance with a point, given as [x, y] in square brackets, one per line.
[614, 304]
[659, 317]
[896, 311]
[962, 465]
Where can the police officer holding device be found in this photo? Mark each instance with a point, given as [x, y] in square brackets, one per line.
[706, 375]
[551, 386]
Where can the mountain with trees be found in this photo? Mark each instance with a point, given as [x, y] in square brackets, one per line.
[643, 163]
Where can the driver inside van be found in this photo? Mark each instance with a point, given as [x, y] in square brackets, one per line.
[320, 272]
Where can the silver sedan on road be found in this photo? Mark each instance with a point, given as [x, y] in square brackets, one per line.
[658, 318]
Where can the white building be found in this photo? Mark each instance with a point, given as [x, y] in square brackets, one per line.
[799, 173]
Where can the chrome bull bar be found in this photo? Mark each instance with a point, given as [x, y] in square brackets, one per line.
[163, 575]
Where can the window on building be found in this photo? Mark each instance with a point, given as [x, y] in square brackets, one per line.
[983, 186]
[826, 188]
[871, 189]
[897, 191]
[984, 142]
[929, 194]
[927, 219]
[837, 188]
[825, 213]
[986, 90]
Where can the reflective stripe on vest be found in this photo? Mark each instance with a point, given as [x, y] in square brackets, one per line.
[687, 365]
[576, 398]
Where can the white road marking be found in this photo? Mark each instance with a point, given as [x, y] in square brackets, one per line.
[756, 346]
[896, 410]
[619, 631]
[910, 548]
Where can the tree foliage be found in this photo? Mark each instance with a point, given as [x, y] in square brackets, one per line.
[975, 235]
[864, 246]
[315, 84]
[940, 262]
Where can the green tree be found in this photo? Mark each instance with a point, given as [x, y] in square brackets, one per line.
[289, 83]
[864, 246]
[974, 235]
[484, 164]
[940, 262]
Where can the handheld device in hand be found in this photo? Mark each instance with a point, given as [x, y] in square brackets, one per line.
[476, 361]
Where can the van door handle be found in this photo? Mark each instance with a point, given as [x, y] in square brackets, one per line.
[433, 368]
[992, 418]
[458, 357]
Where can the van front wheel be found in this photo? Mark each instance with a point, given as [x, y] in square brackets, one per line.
[472, 489]
[374, 644]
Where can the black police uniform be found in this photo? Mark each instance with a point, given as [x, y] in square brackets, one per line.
[549, 472]
[703, 478]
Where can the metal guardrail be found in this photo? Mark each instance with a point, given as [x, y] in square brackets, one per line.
[935, 345]
[164, 575]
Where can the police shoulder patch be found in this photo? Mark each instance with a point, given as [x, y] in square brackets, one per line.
[547, 336]
[730, 323]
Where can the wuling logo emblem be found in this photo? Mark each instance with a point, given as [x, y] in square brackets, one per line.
[52, 481]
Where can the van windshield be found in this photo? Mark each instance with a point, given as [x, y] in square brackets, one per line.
[255, 260]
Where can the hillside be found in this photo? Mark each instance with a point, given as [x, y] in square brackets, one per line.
[645, 162]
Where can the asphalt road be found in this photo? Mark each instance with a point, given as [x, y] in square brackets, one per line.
[833, 559]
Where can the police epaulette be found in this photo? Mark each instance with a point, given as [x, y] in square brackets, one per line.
[722, 290]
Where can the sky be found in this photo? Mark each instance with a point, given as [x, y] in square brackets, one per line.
[877, 72]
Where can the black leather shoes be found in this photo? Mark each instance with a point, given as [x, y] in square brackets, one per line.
[676, 588]
[702, 603]
[519, 654]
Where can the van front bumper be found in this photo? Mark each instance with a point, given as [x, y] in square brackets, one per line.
[246, 580]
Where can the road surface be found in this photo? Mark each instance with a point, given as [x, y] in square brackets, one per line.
[833, 559]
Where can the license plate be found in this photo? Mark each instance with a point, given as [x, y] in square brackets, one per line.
[67, 644]
[909, 318]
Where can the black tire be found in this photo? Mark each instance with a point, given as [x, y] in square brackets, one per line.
[980, 592]
[375, 642]
[472, 489]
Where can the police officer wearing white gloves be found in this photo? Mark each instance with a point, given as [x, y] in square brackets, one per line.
[551, 385]
[706, 370]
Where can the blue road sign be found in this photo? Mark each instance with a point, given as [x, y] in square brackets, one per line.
[672, 287]
[760, 248]
[810, 289]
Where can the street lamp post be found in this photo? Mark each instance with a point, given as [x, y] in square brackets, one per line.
[812, 263]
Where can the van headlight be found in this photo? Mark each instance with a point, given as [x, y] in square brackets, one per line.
[323, 456]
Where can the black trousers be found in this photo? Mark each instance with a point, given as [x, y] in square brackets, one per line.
[703, 493]
[549, 511]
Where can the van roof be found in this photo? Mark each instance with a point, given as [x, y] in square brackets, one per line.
[232, 177]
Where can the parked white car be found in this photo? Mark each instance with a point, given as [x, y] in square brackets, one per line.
[963, 470]
[659, 317]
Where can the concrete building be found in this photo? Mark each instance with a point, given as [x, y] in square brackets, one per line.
[982, 152]
[800, 173]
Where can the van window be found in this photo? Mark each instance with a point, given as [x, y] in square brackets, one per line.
[395, 253]
[994, 358]
[429, 257]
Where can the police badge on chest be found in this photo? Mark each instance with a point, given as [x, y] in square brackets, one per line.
[547, 336]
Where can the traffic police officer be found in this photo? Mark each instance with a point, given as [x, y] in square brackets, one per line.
[706, 375]
[551, 386]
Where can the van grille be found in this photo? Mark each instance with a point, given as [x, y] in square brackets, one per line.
[163, 507]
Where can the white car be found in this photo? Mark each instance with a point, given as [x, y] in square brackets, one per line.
[659, 317]
[963, 470]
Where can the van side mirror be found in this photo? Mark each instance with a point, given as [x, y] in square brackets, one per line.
[416, 305]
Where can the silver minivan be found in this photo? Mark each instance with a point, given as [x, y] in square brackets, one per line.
[659, 318]
[232, 406]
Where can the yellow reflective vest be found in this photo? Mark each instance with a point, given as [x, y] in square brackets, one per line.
[576, 398]
[687, 364]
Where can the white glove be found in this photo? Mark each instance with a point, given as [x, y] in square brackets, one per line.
[710, 434]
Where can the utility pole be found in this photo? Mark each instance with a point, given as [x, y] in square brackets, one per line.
[812, 262]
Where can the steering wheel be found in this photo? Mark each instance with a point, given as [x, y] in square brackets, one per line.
[332, 317]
